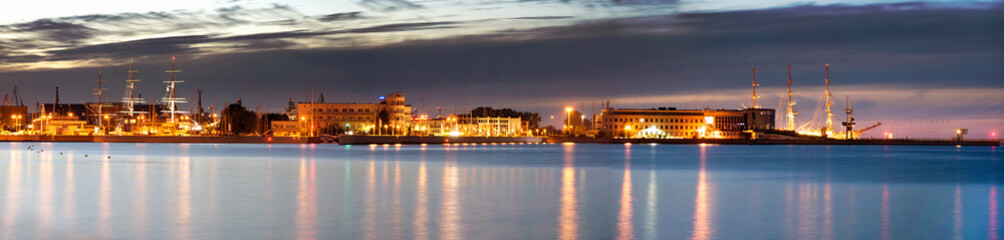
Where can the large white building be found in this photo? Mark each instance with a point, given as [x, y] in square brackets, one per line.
[692, 123]
[469, 126]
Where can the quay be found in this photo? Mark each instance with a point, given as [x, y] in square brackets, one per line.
[159, 139]
[359, 139]
[820, 141]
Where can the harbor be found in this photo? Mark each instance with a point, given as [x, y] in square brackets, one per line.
[394, 120]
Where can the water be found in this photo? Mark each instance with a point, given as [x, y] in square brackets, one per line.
[583, 191]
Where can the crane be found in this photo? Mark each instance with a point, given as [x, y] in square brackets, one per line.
[859, 132]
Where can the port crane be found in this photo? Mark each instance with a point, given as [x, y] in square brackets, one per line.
[13, 101]
[850, 133]
[863, 130]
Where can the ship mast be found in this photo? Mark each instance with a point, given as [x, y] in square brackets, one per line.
[171, 99]
[97, 92]
[849, 124]
[130, 99]
[754, 88]
[829, 114]
[791, 103]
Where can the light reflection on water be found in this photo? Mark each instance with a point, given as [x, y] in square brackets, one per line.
[625, 228]
[581, 191]
[568, 215]
[702, 209]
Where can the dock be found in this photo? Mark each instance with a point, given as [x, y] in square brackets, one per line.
[821, 141]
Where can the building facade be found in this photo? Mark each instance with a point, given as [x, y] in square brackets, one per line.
[351, 117]
[694, 123]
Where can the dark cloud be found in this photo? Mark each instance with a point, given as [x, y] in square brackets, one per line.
[645, 2]
[343, 16]
[183, 44]
[543, 17]
[54, 30]
[398, 27]
[129, 49]
[389, 5]
[287, 22]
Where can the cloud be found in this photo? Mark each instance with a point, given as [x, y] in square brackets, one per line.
[398, 27]
[543, 17]
[53, 30]
[389, 5]
[342, 16]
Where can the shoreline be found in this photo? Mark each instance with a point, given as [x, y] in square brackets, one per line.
[161, 139]
[890, 142]
[365, 140]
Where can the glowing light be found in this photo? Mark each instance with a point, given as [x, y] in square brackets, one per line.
[709, 120]
[568, 109]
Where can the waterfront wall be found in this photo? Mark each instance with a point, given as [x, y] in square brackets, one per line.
[159, 139]
[781, 141]
[356, 139]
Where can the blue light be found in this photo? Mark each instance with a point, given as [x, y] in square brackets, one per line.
[382, 97]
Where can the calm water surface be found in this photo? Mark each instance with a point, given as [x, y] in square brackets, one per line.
[583, 191]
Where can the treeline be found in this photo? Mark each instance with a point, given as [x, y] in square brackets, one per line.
[529, 119]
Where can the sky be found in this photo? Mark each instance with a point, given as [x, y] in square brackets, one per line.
[921, 68]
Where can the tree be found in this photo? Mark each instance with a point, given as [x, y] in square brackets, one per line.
[530, 119]
[551, 130]
[333, 129]
[266, 119]
[237, 119]
[383, 116]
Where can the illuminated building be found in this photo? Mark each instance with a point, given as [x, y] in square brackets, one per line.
[692, 123]
[14, 118]
[351, 117]
[468, 126]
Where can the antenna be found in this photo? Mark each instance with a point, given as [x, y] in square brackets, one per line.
[171, 98]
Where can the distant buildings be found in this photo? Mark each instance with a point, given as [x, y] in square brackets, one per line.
[390, 116]
[673, 123]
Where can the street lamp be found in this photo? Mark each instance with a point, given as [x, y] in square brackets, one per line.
[109, 123]
[17, 121]
[568, 117]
